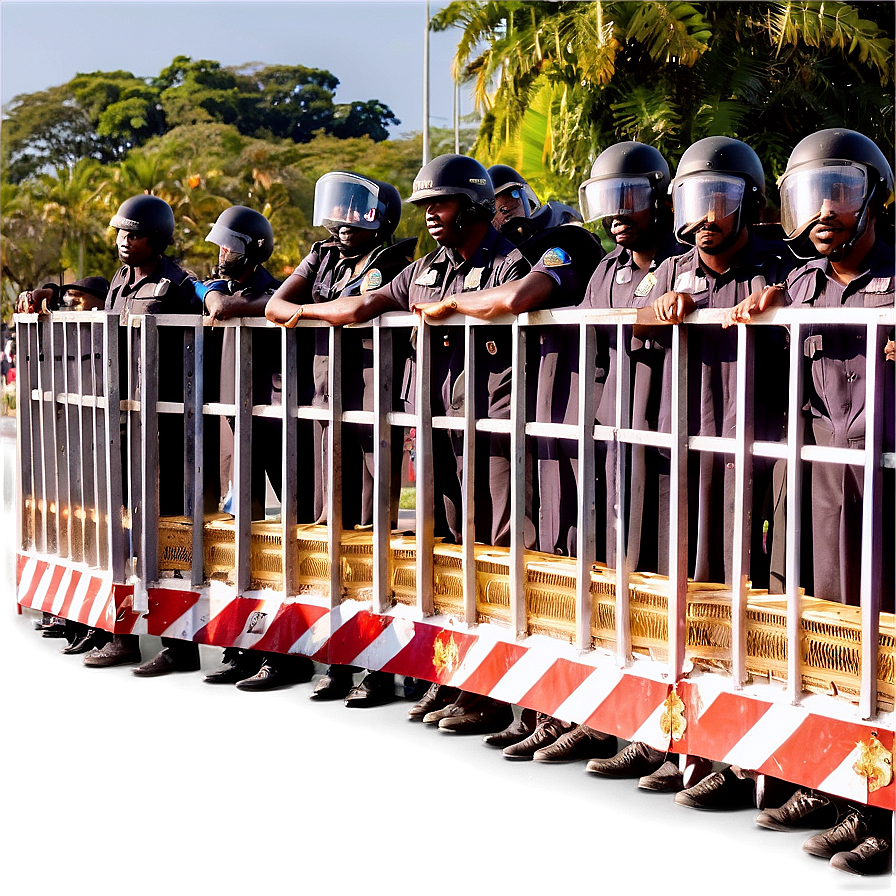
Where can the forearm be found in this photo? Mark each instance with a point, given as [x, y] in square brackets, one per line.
[341, 311]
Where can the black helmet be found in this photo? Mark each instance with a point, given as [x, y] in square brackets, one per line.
[146, 214]
[627, 176]
[720, 172]
[346, 198]
[833, 165]
[505, 178]
[243, 231]
[453, 175]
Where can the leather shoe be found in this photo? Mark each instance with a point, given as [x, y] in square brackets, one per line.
[805, 809]
[481, 717]
[842, 837]
[719, 790]
[238, 666]
[666, 779]
[122, 649]
[334, 685]
[546, 732]
[54, 630]
[376, 689]
[516, 731]
[279, 672]
[874, 855]
[634, 761]
[437, 696]
[94, 638]
[580, 743]
[171, 659]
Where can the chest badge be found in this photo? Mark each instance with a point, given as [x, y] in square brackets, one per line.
[646, 285]
[491, 348]
[427, 278]
[373, 279]
[556, 258]
[473, 280]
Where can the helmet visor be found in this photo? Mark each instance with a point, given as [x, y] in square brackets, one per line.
[705, 199]
[809, 195]
[346, 199]
[611, 197]
[229, 239]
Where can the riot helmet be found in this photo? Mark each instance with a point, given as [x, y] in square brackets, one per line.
[833, 170]
[455, 175]
[148, 215]
[247, 236]
[346, 199]
[506, 180]
[717, 177]
[625, 178]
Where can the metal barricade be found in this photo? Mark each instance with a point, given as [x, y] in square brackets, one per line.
[88, 386]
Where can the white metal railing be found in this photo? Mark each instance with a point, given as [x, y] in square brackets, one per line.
[88, 385]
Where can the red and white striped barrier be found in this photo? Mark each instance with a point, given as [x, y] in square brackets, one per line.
[830, 749]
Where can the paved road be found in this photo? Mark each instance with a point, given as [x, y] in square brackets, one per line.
[170, 786]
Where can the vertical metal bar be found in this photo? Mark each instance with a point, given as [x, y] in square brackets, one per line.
[100, 439]
[678, 501]
[794, 513]
[424, 539]
[149, 477]
[383, 366]
[468, 546]
[73, 510]
[743, 502]
[86, 414]
[47, 435]
[26, 498]
[115, 558]
[518, 620]
[60, 439]
[242, 462]
[334, 467]
[873, 499]
[586, 537]
[620, 468]
[290, 475]
[135, 441]
[194, 429]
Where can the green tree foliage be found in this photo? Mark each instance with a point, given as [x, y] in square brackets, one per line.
[559, 82]
[105, 115]
[55, 224]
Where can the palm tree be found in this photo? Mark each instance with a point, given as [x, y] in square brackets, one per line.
[558, 82]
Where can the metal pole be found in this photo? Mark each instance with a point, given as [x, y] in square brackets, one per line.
[426, 153]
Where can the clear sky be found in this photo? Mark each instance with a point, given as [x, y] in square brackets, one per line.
[374, 47]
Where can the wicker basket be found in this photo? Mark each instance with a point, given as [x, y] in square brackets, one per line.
[830, 637]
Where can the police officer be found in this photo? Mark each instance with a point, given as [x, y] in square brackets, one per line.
[456, 193]
[627, 192]
[718, 192]
[833, 192]
[148, 282]
[360, 256]
[240, 287]
[564, 256]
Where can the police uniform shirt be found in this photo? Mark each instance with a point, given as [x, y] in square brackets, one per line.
[758, 264]
[568, 254]
[836, 352]
[266, 385]
[332, 276]
[168, 289]
[444, 273]
[618, 282]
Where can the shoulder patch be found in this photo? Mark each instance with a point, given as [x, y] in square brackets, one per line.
[556, 258]
[373, 279]
[646, 285]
